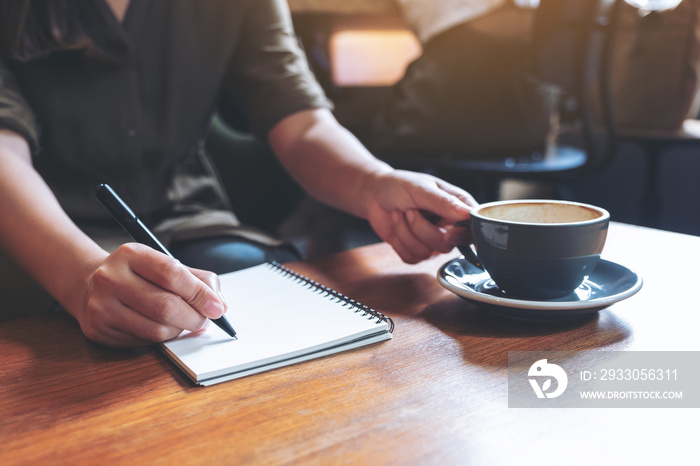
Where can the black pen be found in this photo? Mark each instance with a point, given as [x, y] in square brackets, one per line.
[140, 233]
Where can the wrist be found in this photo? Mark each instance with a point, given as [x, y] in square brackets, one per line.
[71, 290]
[369, 188]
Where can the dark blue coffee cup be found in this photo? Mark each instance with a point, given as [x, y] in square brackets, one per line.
[537, 249]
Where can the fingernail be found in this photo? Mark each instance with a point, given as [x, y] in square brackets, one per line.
[214, 309]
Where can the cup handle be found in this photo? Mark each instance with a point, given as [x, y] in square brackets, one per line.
[466, 249]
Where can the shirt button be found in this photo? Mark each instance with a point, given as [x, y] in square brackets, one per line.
[130, 133]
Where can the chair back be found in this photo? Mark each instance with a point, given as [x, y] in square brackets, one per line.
[570, 52]
[571, 46]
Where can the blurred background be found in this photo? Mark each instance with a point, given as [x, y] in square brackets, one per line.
[360, 50]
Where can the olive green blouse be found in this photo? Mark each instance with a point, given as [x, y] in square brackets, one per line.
[133, 113]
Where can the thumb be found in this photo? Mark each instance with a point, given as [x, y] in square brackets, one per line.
[212, 281]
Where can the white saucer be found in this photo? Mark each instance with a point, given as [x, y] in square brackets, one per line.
[608, 283]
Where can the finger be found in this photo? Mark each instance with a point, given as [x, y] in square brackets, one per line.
[459, 193]
[123, 327]
[143, 328]
[388, 233]
[403, 251]
[442, 203]
[171, 275]
[458, 236]
[212, 281]
[417, 249]
[428, 233]
[161, 307]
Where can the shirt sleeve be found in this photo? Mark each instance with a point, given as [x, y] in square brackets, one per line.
[269, 73]
[15, 113]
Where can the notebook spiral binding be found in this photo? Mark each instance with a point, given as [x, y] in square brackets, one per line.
[334, 295]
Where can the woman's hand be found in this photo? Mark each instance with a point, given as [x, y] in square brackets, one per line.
[132, 297]
[416, 213]
[138, 296]
[413, 212]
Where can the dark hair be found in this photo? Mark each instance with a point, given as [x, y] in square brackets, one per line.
[35, 28]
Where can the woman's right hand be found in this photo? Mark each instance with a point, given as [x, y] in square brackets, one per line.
[138, 296]
[132, 297]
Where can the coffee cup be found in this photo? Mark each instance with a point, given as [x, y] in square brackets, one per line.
[536, 249]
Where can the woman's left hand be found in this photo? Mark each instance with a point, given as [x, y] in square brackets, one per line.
[416, 213]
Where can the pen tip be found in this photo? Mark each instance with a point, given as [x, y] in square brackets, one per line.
[225, 326]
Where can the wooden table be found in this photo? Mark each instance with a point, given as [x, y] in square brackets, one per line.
[435, 394]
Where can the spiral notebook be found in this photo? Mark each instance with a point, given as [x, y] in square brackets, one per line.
[281, 318]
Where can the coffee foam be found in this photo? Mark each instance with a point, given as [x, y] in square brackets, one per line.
[540, 213]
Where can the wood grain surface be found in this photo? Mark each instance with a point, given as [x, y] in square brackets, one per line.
[435, 394]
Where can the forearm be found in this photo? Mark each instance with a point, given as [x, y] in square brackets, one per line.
[326, 160]
[36, 232]
[331, 165]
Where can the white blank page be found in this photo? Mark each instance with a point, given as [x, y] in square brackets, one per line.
[277, 317]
